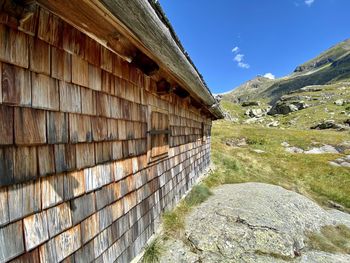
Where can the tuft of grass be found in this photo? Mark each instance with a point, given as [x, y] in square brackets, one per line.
[333, 239]
[153, 252]
[198, 195]
[174, 221]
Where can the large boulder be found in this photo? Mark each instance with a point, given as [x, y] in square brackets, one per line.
[250, 103]
[254, 222]
[255, 113]
[282, 107]
[330, 124]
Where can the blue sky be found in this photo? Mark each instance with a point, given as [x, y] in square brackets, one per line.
[271, 36]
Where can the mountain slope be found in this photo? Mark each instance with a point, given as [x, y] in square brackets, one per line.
[331, 66]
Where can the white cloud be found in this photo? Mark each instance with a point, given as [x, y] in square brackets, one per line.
[243, 65]
[235, 49]
[239, 58]
[269, 76]
[309, 2]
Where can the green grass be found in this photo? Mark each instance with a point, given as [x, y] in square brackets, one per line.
[174, 221]
[333, 239]
[310, 175]
[153, 252]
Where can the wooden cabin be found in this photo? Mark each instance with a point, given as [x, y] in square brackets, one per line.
[105, 124]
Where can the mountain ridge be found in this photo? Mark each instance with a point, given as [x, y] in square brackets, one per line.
[329, 67]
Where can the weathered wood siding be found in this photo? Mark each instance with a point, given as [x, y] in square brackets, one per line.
[75, 181]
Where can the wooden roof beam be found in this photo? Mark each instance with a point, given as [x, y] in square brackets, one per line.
[145, 64]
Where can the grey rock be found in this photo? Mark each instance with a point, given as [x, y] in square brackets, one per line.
[253, 222]
[323, 149]
[250, 103]
[294, 149]
[339, 102]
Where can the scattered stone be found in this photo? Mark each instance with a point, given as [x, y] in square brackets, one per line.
[258, 151]
[237, 142]
[250, 103]
[273, 124]
[315, 150]
[347, 122]
[343, 162]
[311, 89]
[285, 144]
[329, 124]
[323, 149]
[294, 149]
[254, 120]
[339, 102]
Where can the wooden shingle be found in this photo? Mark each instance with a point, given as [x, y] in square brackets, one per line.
[6, 127]
[108, 82]
[65, 157]
[46, 160]
[92, 52]
[57, 127]
[98, 176]
[95, 77]
[25, 164]
[122, 130]
[116, 107]
[16, 85]
[85, 155]
[50, 28]
[103, 152]
[35, 230]
[106, 59]
[70, 100]
[13, 46]
[73, 40]
[29, 257]
[99, 128]
[61, 64]
[74, 184]
[39, 56]
[80, 71]
[59, 218]
[82, 207]
[103, 105]
[11, 241]
[52, 190]
[88, 99]
[117, 150]
[67, 243]
[89, 228]
[45, 92]
[4, 207]
[79, 128]
[112, 129]
[30, 126]
[6, 165]
[27, 194]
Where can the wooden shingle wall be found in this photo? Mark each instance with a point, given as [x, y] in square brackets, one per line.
[75, 184]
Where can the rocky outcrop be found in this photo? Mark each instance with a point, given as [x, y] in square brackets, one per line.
[285, 107]
[256, 113]
[250, 103]
[253, 222]
[330, 124]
